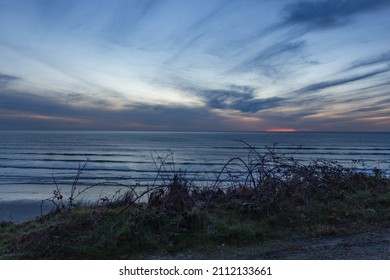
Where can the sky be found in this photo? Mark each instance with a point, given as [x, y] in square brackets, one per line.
[195, 65]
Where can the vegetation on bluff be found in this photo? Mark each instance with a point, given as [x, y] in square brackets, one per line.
[252, 203]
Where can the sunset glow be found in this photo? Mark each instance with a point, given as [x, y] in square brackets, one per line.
[214, 65]
[281, 130]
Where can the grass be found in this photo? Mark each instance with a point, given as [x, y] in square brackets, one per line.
[275, 198]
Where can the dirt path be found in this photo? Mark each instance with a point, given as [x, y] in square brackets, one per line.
[373, 245]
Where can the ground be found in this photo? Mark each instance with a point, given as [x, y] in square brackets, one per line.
[372, 245]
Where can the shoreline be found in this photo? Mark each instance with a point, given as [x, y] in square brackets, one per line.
[19, 211]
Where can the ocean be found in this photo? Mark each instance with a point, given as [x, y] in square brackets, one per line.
[30, 161]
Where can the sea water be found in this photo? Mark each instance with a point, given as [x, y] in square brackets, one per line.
[32, 162]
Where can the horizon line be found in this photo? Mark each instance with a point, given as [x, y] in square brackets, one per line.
[292, 131]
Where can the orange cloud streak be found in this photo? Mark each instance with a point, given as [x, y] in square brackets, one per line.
[22, 115]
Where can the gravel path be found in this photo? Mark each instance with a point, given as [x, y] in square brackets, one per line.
[373, 245]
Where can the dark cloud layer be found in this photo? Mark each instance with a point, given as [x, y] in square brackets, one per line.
[29, 111]
[383, 58]
[32, 103]
[6, 79]
[244, 102]
[21, 110]
[239, 98]
[328, 13]
[338, 82]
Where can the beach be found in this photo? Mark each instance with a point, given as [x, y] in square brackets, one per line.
[19, 211]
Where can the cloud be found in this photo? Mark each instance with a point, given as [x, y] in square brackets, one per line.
[32, 103]
[328, 13]
[239, 98]
[186, 39]
[21, 110]
[373, 109]
[270, 58]
[6, 79]
[333, 83]
[126, 18]
[373, 60]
